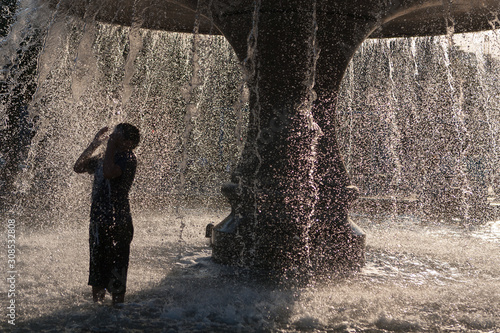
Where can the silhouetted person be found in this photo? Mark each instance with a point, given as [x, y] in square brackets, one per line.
[111, 229]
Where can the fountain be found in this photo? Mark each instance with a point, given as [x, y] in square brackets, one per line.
[404, 103]
[290, 192]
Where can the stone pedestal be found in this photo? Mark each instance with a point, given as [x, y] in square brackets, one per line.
[290, 192]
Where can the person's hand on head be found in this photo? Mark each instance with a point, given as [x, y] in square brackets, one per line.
[101, 136]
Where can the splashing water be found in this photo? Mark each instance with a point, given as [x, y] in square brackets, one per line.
[426, 278]
[443, 128]
[421, 274]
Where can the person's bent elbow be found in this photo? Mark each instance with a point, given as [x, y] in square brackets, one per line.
[79, 168]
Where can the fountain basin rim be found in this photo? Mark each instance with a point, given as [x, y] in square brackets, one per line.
[410, 19]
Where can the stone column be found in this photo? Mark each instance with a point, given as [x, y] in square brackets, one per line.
[290, 192]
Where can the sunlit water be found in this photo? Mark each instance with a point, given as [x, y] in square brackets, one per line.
[418, 277]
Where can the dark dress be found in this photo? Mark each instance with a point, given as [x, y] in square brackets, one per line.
[111, 229]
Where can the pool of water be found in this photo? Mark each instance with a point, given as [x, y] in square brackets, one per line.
[419, 277]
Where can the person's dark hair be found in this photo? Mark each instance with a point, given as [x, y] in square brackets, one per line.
[130, 132]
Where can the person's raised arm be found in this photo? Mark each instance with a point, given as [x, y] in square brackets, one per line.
[82, 163]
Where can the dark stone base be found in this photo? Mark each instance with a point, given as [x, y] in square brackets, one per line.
[333, 253]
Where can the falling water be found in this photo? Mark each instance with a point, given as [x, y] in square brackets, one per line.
[491, 124]
[250, 64]
[419, 276]
[426, 114]
[394, 135]
[313, 126]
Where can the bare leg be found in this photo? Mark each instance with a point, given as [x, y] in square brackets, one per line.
[98, 294]
[118, 298]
